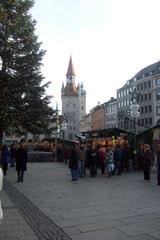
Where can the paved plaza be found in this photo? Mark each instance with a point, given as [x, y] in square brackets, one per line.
[47, 205]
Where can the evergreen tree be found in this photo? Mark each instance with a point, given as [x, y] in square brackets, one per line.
[23, 100]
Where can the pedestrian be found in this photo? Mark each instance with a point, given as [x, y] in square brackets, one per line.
[73, 163]
[92, 161]
[5, 159]
[66, 154]
[156, 166]
[12, 154]
[118, 159]
[147, 161]
[82, 159]
[21, 158]
[110, 162]
[102, 157]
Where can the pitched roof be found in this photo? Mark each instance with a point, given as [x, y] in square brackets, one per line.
[70, 90]
[70, 71]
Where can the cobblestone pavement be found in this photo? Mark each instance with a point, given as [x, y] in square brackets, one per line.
[47, 205]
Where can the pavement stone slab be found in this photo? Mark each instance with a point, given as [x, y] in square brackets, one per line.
[49, 206]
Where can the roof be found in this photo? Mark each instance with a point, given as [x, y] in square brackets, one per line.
[151, 69]
[70, 71]
[70, 90]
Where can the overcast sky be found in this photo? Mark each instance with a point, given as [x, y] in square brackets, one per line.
[109, 40]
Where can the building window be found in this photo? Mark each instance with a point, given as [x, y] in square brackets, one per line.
[138, 88]
[82, 108]
[158, 96]
[150, 108]
[157, 82]
[146, 109]
[146, 121]
[74, 105]
[119, 95]
[145, 97]
[149, 96]
[145, 85]
[150, 121]
[142, 110]
[141, 86]
[158, 110]
[149, 84]
[141, 98]
[142, 122]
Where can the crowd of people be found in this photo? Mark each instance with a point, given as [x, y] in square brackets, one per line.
[109, 160]
[15, 157]
[96, 159]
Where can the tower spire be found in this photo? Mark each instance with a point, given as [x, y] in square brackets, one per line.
[70, 71]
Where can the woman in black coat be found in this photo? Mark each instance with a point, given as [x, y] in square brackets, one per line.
[21, 162]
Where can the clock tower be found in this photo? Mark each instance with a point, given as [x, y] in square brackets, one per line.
[72, 108]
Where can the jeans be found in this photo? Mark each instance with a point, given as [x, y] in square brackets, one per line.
[74, 173]
[81, 168]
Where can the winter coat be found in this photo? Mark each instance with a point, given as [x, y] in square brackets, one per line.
[21, 159]
[5, 156]
[73, 160]
[147, 160]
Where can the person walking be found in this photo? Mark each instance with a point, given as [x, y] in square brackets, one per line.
[147, 160]
[21, 158]
[5, 159]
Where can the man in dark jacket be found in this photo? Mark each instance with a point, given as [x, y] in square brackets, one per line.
[73, 163]
[147, 160]
[21, 162]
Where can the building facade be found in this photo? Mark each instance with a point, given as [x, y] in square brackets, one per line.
[146, 84]
[73, 103]
[124, 95]
[111, 113]
[148, 87]
[98, 117]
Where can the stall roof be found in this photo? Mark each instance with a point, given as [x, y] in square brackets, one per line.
[109, 132]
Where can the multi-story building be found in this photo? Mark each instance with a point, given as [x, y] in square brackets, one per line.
[110, 113]
[73, 103]
[148, 87]
[98, 117]
[123, 105]
[146, 83]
